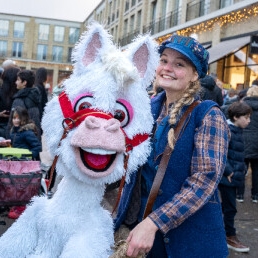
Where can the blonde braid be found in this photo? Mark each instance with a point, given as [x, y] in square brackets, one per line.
[187, 99]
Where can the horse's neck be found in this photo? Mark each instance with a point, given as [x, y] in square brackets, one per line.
[78, 193]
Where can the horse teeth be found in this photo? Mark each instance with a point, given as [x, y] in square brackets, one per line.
[99, 151]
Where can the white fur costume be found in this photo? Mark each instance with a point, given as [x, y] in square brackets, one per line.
[111, 86]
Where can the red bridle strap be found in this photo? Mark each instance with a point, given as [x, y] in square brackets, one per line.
[73, 119]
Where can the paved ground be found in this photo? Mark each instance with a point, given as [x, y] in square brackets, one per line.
[247, 223]
[246, 220]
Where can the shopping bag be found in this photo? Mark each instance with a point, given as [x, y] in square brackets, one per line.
[19, 181]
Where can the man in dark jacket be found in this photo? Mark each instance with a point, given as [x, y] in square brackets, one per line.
[28, 96]
[210, 90]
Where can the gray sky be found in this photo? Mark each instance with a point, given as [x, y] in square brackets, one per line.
[72, 10]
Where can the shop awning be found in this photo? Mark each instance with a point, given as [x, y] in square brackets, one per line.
[227, 47]
[206, 45]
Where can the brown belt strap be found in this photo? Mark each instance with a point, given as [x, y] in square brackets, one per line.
[164, 161]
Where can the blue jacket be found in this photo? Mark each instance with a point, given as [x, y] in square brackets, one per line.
[205, 227]
[235, 158]
[25, 138]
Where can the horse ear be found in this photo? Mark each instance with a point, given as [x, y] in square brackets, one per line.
[143, 53]
[91, 50]
[89, 47]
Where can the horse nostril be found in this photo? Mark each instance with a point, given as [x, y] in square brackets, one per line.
[112, 125]
[92, 122]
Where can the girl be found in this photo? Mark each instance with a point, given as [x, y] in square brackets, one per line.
[23, 132]
[186, 218]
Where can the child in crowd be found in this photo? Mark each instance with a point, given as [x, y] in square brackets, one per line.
[23, 135]
[234, 173]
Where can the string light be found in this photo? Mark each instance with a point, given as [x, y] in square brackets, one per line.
[227, 19]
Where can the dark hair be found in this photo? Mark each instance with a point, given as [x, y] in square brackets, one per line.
[238, 109]
[9, 87]
[28, 76]
[41, 75]
[255, 82]
[22, 113]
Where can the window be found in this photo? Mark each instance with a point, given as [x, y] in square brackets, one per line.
[164, 8]
[154, 9]
[18, 31]
[4, 27]
[132, 23]
[110, 9]
[43, 32]
[42, 52]
[126, 6]
[3, 48]
[225, 3]
[17, 49]
[69, 57]
[59, 34]
[74, 34]
[57, 54]
[133, 3]
[139, 20]
[125, 26]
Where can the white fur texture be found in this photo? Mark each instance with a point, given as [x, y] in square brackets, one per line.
[73, 223]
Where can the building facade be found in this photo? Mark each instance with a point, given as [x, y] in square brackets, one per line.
[37, 42]
[227, 28]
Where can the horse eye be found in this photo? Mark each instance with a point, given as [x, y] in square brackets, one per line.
[121, 114]
[83, 103]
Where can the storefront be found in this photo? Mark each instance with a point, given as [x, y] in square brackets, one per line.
[237, 61]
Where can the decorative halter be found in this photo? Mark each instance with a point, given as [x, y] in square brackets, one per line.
[73, 119]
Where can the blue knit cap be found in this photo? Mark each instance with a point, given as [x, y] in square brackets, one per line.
[191, 49]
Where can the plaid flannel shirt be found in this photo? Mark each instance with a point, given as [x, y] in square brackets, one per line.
[206, 171]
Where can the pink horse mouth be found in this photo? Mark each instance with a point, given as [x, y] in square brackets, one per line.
[97, 162]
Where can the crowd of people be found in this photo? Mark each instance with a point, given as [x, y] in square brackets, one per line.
[194, 211]
[22, 102]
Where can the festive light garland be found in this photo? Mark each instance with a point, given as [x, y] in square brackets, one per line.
[231, 18]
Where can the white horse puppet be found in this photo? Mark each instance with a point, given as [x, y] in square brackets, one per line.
[105, 113]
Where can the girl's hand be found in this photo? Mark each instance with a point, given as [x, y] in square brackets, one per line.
[5, 143]
[229, 177]
[4, 113]
[141, 238]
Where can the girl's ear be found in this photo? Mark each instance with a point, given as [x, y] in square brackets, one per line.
[195, 76]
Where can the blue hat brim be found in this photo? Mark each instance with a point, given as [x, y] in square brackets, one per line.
[185, 51]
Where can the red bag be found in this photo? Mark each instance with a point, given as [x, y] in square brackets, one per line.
[19, 181]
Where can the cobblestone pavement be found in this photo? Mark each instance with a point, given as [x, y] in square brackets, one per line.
[246, 222]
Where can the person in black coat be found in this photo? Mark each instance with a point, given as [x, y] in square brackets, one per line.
[250, 138]
[28, 96]
[210, 90]
[234, 173]
[40, 81]
[7, 90]
[232, 96]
